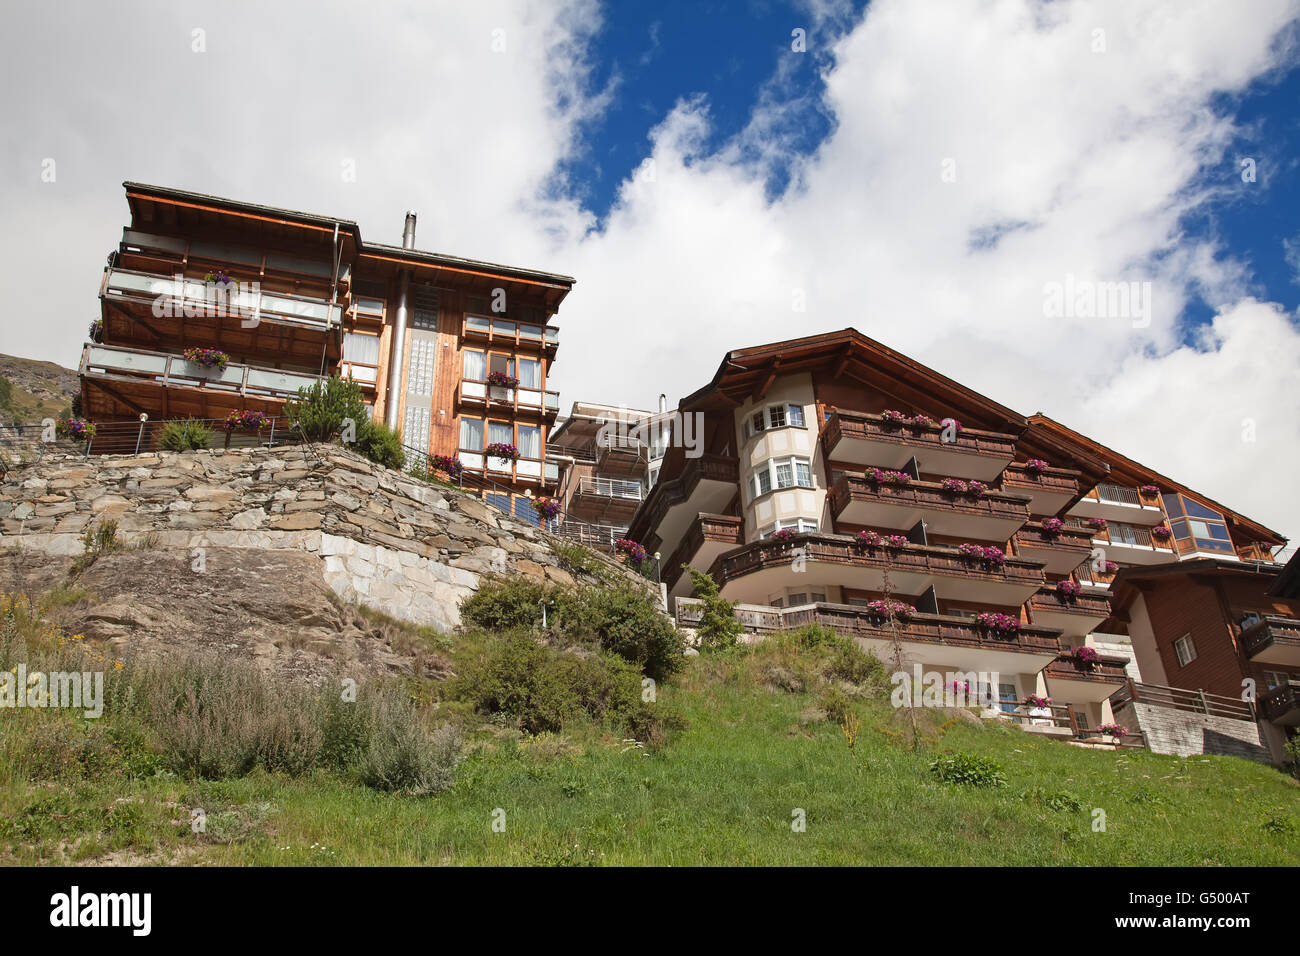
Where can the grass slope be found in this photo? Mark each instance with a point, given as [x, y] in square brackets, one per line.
[723, 792]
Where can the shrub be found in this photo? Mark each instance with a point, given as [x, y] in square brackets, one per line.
[321, 408]
[381, 444]
[970, 769]
[718, 626]
[189, 435]
[401, 758]
[836, 704]
[96, 540]
[620, 620]
[1061, 801]
[544, 688]
[814, 635]
[851, 663]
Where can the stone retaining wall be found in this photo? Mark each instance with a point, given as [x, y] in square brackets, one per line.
[385, 539]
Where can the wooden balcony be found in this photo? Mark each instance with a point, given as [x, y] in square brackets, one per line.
[1120, 503]
[863, 439]
[993, 516]
[1061, 552]
[1076, 617]
[121, 383]
[706, 538]
[1070, 680]
[167, 313]
[511, 335]
[1130, 544]
[523, 471]
[1282, 705]
[706, 486]
[1049, 490]
[767, 566]
[948, 639]
[1273, 639]
[606, 500]
[512, 402]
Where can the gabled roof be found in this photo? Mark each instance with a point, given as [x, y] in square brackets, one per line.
[750, 371]
[1141, 474]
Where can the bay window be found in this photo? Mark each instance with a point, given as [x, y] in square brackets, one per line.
[781, 473]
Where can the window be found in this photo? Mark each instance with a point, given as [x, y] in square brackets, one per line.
[1081, 718]
[361, 348]
[1275, 679]
[530, 441]
[818, 597]
[1008, 699]
[776, 416]
[501, 363]
[756, 423]
[475, 366]
[1204, 527]
[530, 373]
[471, 434]
[782, 473]
[796, 415]
[1184, 650]
[778, 602]
[500, 433]
[798, 599]
[1248, 620]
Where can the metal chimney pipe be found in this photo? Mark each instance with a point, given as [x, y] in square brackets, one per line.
[397, 354]
[663, 403]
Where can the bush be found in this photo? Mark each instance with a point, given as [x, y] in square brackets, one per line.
[814, 635]
[851, 663]
[401, 758]
[718, 627]
[381, 444]
[322, 408]
[189, 435]
[620, 620]
[1293, 751]
[970, 769]
[544, 688]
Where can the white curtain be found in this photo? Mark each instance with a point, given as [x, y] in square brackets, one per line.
[530, 441]
[530, 373]
[500, 434]
[471, 433]
[475, 366]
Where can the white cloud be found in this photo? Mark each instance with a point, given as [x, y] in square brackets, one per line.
[1068, 161]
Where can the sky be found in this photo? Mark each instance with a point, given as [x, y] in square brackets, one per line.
[722, 175]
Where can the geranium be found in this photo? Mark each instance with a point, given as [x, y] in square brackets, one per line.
[97, 330]
[74, 429]
[1096, 524]
[783, 534]
[871, 539]
[892, 416]
[1109, 567]
[502, 450]
[502, 380]
[449, 466]
[1149, 490]
[956, 486]
[1085, 655]
[988, 556]
[887, 609]
[1036, 466]
[220, 277]
[1037, 700]
[953, 423]
[1067, 591]
[922, 421]
[1052, 527]
[630, 550]
[1004, 625]
[249, 420]
[1113, 730]
[878, 476]
[1161, 533]
[208, 358]
[546, 508]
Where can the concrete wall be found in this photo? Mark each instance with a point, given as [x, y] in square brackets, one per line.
[1185, 733]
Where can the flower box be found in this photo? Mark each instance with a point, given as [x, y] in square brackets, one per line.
[878, 476]
[885, 610]
[1052, 527]
[502, 380]
[1118, 731]
[1001, 625]
[1036, 466]
[1150, 491]
[207, 358]
[625, 549]
[74, 429]
[249, 420]
[547, 508]
[503, 451]
[1161, 533]
[1068, 591]
[1096, 524]
[451, 467]
[990, 557]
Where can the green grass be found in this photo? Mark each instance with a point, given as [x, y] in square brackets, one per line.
[723, 792]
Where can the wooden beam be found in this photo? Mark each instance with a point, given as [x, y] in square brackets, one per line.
[773, 371]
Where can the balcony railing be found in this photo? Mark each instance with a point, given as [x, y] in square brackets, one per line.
[916, 558]
[859, 622]
[525, 468]
[173, 370]
[1106, 670]
[856, 425]
[1276, 633]
[244, 304]
[926, 495]
[1034, 535]
[722, 530]
[1282, 704]
[1048, 599]
[479, 392]
[1117, 494]
[611, 488]
[1063, 480]
[509, 332]
[1181, 698]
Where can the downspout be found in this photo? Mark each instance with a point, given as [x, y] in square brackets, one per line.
[334, 298]
[397, 354]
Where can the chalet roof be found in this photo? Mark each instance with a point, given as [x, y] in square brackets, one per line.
[1287, 584]
[748, 372]
[1150, 475]
[378, 250]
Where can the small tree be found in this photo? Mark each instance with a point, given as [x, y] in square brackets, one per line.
[718, 626]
